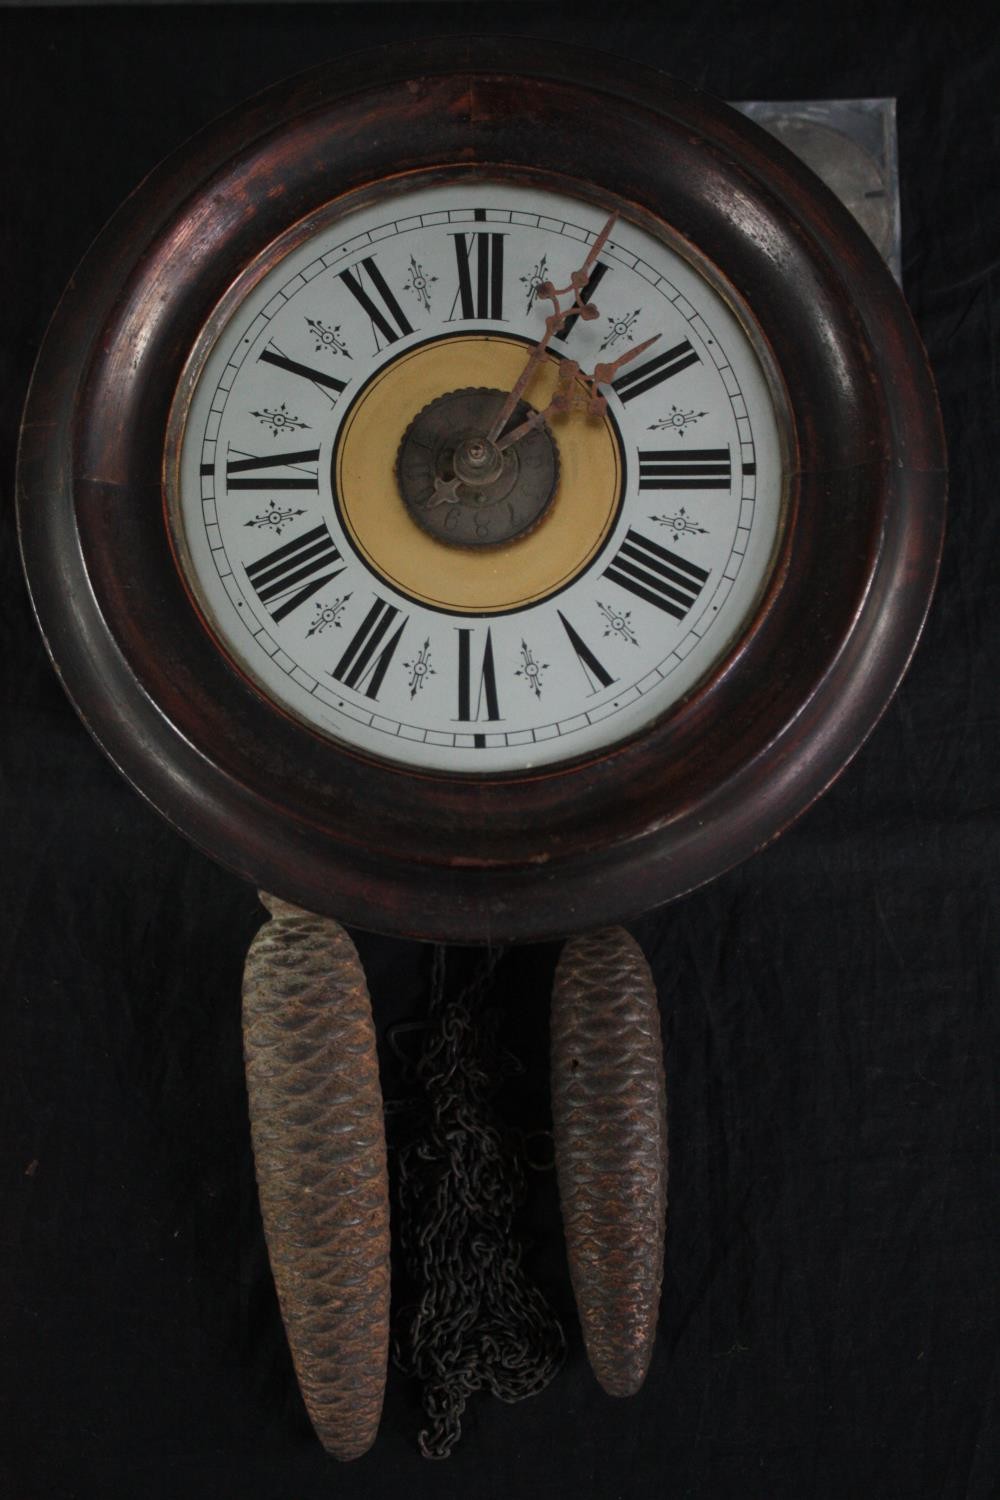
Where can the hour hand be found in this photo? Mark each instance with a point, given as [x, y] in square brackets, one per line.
[567, 397]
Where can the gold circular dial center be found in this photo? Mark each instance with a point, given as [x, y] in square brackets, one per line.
[510, 573]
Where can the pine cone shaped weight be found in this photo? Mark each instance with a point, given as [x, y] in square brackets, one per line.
[610, 1127]
[319, 1148]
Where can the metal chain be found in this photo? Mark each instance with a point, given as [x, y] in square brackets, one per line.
[479, 1322]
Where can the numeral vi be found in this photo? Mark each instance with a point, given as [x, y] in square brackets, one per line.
[477, 691]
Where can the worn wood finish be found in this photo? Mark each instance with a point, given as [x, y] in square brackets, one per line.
[319, 1150]
[609, 1120]
[465, 858]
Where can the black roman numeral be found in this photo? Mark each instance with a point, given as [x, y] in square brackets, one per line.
[325, 383]
[656, 574]
[290, 574]
[471, 707]
[366, 659]
[253, 471]
[636, 380]
[388, 318]
[480, 275]
[692, 469]
[586, 292]
[596, 673]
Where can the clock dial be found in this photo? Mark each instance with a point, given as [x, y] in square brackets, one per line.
[386, 569]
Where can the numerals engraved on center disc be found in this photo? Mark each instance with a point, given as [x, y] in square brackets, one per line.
[437, 480]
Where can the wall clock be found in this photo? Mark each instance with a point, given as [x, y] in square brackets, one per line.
[476, 498]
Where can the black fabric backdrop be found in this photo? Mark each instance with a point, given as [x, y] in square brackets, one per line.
[829, 1324]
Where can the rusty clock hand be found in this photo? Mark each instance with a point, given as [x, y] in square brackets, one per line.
[446, 489]
[566, 397]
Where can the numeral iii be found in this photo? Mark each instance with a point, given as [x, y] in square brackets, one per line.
[692, 469]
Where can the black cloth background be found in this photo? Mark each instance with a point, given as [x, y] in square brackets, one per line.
[829, 1324]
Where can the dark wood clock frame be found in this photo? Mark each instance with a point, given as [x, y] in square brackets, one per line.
[475, 858]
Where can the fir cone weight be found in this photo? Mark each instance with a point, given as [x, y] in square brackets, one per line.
[319, 1149]
[610, 1127]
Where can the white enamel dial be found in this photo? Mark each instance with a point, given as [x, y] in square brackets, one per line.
[319, 583]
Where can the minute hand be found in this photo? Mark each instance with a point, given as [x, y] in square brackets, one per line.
[555, 320]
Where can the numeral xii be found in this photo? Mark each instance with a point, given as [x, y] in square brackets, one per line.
[479, 259]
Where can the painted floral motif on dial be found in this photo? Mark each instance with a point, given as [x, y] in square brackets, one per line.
[285, 499]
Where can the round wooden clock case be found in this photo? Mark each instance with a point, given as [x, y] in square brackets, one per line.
[571, 844]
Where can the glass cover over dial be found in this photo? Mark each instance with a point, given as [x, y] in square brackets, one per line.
[453, 505]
